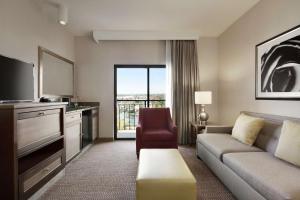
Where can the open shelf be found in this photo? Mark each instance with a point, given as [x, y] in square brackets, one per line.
[39, 145]
[32, 159]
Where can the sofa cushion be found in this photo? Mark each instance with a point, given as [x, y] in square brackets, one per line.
[268, 137]
[288, 148]
[271, 177]
[246, 128]
[157, 135]
[219, 144]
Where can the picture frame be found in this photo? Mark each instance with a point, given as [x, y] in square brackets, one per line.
[277, 69]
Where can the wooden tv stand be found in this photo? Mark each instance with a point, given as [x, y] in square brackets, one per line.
[32, 147]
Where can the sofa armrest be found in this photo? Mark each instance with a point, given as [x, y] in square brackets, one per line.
[218, 129]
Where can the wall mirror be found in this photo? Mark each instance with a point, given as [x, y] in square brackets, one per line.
[56, 75]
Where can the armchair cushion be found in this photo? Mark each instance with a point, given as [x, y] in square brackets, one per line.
[157, 135]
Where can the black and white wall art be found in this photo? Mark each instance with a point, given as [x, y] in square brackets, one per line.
[278, 66]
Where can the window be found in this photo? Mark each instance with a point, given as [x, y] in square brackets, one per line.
[136, 86]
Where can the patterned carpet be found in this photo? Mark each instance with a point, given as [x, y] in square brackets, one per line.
[107, 172]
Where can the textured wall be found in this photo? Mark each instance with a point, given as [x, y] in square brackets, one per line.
[237, 59]
[208, 69]
[23, 27]
[95, 70]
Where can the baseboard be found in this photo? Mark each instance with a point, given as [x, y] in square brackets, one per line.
[108, 139]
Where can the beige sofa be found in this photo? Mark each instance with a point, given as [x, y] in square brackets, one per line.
[251, 172]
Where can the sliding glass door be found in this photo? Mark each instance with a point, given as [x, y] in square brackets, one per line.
[136, 86]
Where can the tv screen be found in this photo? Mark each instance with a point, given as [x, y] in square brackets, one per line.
[16, 80]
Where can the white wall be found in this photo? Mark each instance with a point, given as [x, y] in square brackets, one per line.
[208, 67]
[95, 70]
[237, 59]
[23, 28]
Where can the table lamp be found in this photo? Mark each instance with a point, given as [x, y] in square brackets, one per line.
[203, 98]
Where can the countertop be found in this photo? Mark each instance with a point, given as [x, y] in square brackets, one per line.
[29, 105]
[80, 108]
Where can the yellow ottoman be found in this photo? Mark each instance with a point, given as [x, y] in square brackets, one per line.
[162, 175]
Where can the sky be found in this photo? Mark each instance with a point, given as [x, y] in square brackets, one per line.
[134, 80]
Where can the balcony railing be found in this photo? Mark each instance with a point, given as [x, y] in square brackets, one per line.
[128, 111]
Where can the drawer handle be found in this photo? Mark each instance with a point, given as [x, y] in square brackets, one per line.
[41, 113]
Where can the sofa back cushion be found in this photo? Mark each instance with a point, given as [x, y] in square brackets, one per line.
[288, 147]
[270, 133]
[246, 128]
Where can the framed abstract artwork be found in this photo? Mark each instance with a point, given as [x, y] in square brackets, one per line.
[277, 74]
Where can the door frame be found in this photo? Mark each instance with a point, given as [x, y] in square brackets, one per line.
[141, 66]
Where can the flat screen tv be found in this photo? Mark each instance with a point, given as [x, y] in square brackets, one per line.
[16, 80]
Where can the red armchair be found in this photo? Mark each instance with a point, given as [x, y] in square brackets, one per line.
[155, 129]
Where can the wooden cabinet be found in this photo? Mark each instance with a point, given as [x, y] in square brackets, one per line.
[36, 139]
[73, 134]
[32, 147]
[82, 127]
[196, 129]
[73, 117]
[35, 128]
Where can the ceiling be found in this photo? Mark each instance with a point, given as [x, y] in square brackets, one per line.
[205, 17]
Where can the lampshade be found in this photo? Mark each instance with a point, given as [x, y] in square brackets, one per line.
[203, 97]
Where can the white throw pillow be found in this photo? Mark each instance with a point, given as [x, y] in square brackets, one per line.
[246, 128]
[288, 147]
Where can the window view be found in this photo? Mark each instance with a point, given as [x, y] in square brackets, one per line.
[137, 87]
[157, 87]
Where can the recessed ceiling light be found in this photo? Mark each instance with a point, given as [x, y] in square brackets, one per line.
[62, 22]
[62, 14]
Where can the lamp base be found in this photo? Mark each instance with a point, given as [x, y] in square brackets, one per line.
[203, 116]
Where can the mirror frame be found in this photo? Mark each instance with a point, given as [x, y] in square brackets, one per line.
[41, 51]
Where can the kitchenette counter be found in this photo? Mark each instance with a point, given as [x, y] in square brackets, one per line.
[82, 106]
[82, 127]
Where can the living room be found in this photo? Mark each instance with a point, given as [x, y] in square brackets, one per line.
[216, 50]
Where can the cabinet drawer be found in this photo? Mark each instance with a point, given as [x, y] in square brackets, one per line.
[39, 113]
[40, 174]
[72, 117]
[36, 127]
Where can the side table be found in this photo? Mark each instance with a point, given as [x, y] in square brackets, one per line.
[196, 128]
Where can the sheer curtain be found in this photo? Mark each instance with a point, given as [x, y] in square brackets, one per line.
[169, 76]
[182, 81]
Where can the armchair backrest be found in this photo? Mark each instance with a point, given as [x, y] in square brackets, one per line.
[154, 118]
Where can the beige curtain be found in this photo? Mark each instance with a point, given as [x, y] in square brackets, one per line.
[185, 81]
